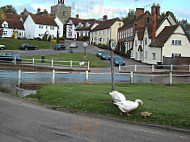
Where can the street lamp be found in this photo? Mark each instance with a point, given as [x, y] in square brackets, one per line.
[85, 44]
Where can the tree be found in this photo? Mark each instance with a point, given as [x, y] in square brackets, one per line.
[9, 9]
[131, 15]
[2, 14]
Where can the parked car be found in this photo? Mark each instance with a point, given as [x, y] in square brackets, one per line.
[117, 60]
[10, 56]
[2, 47]
[105, 56]
[59, 47]
[73, 45]
[28, 47]
[99, 53]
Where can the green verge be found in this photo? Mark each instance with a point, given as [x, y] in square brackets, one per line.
[14, 44]
[77, 56]
[170, 105]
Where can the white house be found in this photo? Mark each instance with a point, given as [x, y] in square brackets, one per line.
[12, 28]
[60, 25]
[36, 26]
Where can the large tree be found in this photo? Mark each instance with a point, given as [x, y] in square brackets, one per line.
[9, 9]
[131, 15]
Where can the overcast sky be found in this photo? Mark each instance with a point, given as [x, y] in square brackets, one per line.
[98, 8]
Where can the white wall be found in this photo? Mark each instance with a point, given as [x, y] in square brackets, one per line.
[183, 49]
[71, 29]
[160, 29]
[60, 25]
[29, 27]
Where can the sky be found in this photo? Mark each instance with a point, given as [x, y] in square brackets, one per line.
[97, 8]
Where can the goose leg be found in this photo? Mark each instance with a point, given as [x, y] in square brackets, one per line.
[128, 114]
[121, 113]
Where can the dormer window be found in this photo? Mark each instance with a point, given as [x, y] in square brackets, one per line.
[5, 25]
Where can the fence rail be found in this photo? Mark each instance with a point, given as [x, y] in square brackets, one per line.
[46, 62]
[154, 68]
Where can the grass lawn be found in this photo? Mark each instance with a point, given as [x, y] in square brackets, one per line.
[170, 105]
[14, 44]
[76, 56]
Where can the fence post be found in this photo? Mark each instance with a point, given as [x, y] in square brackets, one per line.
[19, 78]
[171, 67]
[33, 61]
[52, 63]
[88, 65]
[152, 68]
[86, 75]
[131, 77]
[71, 63]
[135, 68]
[15, 60]
[189, 68]
[171, 81]
[53, 76]
[119, 67]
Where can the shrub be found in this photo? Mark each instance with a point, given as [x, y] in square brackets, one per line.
[44, 38]
[49, 38]
[38, 39]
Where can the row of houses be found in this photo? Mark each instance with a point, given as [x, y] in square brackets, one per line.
[148, 38]
[30, 27]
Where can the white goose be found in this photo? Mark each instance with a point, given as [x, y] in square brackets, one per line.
[117, 97]
[126, 106]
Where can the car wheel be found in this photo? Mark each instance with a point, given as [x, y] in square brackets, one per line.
[1, 48]
[26, 48]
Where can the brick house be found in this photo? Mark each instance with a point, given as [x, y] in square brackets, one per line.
[127, 32]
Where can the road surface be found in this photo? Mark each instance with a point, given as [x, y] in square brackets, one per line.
[24, 121]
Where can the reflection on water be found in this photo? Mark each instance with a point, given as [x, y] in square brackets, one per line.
[10, 78]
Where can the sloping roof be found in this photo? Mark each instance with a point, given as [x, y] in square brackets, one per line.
[75, 20]
[161, 39]
[12, 16]
[13, 24]
[106, 24]
[43, 20]
[90, 21]
[140, 31]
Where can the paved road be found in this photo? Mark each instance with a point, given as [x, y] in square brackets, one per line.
[23, 121]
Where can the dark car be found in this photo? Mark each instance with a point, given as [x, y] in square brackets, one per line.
[117, 60]
[105, 56]
[99, 52]
[28, 47]
[59, 47]
[10, 56]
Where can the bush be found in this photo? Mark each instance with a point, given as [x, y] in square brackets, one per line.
[44, 38]
[38, 39]
[103, 46]
[49, 38]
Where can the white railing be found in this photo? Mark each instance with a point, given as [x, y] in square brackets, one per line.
[51, 63]
[154, 68]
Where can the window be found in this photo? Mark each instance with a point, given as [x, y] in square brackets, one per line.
[99, 32]
[70, 34]
[176, 42]
[40, 26]
[146, 53]
[135, 43]
[153, 56]
[145, 41]
[4, 32]
[131, 31]
[51, 28]
[5, 25]
[63, 13]
[174, 55]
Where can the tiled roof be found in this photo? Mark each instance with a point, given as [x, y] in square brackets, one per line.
[140, 31]
[12, 16]
[106, 24]
[13, 24]
[90, 21]
[75, 20]
[43, 20]
[160, 40]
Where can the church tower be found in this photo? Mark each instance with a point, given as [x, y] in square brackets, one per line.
[61, 10]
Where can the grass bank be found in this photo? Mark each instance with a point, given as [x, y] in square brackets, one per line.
[76, 56]
[170, 105]
[14, 44]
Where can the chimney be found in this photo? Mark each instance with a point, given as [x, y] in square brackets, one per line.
[139, 12]
[77, 16]
[45, 12]
[168, 13]
[39, 10]
[158, 11]
[105, 17]
[154, 17]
